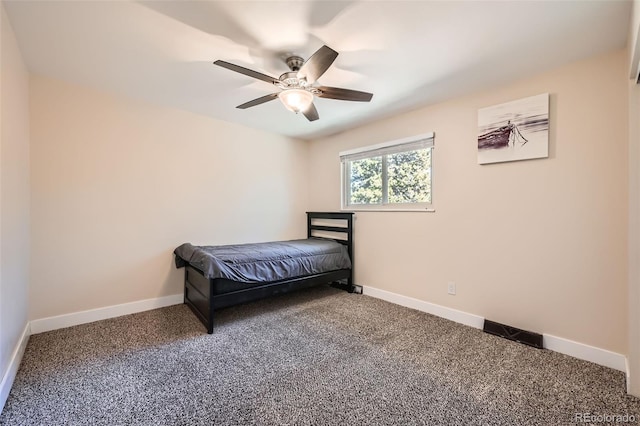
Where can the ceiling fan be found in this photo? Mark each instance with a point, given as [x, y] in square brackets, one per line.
[297, 86]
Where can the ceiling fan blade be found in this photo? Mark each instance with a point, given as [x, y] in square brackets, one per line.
[317, 64]
[344, 94]
[258, 101]
[246, 71]
[311, 112]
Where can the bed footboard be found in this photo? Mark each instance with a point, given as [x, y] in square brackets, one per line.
[198, 294]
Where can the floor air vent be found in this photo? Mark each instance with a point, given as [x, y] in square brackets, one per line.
[512, 333]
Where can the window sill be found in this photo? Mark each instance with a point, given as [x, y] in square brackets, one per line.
[389, 210]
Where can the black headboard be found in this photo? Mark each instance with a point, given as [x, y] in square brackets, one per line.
[347, 231]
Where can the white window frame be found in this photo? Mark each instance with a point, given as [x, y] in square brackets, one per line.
[425, 140]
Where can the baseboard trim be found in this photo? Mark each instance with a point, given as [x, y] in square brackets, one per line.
[14, 364]
[628, 374]
[585, 352]
[461, 317]
[558, 344]
[83, 317]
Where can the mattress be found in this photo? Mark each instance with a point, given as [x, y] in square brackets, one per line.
[265, 262]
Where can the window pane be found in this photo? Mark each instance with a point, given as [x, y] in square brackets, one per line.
[410, 176]
[366, 181]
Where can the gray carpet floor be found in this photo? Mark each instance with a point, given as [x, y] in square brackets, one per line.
[316, 357]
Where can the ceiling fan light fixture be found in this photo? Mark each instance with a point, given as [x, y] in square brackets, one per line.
[296, 100]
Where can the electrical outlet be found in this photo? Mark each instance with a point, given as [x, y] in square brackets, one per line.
[451, 288]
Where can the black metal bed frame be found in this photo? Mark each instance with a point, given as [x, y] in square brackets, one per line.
[205, 295]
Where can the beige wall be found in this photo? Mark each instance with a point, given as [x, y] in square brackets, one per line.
[539, 244]
[118, 184]
[14, 195]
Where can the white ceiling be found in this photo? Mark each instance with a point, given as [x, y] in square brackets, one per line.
[408, 54]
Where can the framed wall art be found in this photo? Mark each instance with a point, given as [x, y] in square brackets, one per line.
[517, 130]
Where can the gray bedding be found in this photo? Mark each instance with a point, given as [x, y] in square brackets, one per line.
[265, 262]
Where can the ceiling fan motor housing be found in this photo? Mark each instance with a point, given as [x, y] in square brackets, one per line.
[294, 63]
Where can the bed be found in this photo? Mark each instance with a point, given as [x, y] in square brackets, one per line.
[221, 276]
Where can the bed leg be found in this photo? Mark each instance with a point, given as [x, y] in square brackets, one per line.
[210, 323]
[350, 285]
[346, 287]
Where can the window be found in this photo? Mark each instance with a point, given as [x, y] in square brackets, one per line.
[389, 176]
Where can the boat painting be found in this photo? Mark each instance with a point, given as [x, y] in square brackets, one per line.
[501, 137]
[517, 130]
